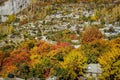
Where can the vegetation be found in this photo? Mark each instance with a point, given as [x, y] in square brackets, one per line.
[91, 34]
[41, 40]
[110, 62]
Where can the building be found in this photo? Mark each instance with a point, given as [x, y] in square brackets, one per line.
[93, 70]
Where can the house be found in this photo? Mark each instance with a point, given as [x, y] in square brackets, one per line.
[93, 70]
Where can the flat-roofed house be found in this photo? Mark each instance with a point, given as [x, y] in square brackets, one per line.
[93, 70]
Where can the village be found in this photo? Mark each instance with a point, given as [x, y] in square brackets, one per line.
[63, 19]
[64, 23]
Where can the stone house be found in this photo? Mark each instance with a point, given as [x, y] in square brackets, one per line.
[93, 70]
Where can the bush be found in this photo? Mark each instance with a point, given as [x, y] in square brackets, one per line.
[11, 19]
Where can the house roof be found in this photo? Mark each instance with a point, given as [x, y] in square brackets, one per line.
[94, 68]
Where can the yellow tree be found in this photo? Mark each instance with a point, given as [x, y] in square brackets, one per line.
[39, 63]
[110, 62]
[39, 50]
[72, 66]
[94, 49]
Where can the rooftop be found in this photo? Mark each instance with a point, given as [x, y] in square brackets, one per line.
[94, 68]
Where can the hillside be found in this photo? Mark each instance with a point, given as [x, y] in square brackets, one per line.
[61, 39]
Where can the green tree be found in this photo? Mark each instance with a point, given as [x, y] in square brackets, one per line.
[94, 49]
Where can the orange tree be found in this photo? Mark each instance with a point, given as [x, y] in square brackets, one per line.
[67, 62]
[90, 34]
[93, 44]
[15, 60]
[2, 58]
[39, 63]
[61, 61]
[44, 58]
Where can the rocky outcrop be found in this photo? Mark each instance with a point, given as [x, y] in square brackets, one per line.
[13, 6]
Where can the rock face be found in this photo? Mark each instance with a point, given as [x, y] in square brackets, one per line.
[13, 6]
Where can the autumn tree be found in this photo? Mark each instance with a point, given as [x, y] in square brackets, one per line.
[15, 60]
[37, 52]
[90, 34]
[39, 63]
[45, 57]
[94, 49]
[24, 71]
[60, 50]
[110, 62]
[2, 57]
[28, 44]
[43, 47]
[72, 66]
